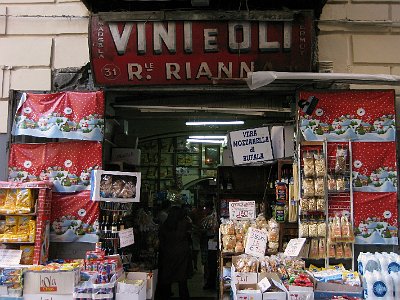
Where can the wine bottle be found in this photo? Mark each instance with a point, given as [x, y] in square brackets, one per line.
[229, 183]
[114, 226]
[106, 228]
[121, 225]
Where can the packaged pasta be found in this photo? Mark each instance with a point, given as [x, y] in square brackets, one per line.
[11, 225]
[9, 203]
[321, 248]
[273, 230]
[320, 205]
[345, 227]
[339, 251]
[303, 230]
[313, 229]
[308, 188]
[319, 163]
[321, 229]
[3, 196]
[23, 224]
[319, 187]
[304, 204]
[25, 201]
[27, 255]
[331, 250]
[331, 183]
[341, 184]
[308, 162]
[314, 250]
[341, 158]
[312, 204]
[32, 230]
[347, 251]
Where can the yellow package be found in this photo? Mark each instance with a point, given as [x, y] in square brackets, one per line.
[27, 255]
[11, 225]
[3, 196]
[32, 230]
[2, 226]
[24, 203]
[23, 224]
[9, 202]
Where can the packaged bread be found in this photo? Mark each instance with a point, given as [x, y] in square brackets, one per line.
[228, 243]
[319, 187]
[24, 201]
[320, 204]
[273, 230]
[312, 204]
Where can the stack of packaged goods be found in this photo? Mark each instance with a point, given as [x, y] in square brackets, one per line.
[336, 281]
[16, 201]
[11, 282]
[234, 234]
[54, 280]
[340, 238]
[99, 276]
[380, 275]
[17, 229]
[286, 275]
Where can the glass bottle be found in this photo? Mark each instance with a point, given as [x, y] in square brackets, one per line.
[114, 226]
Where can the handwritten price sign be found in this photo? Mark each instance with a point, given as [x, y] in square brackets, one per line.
[256, 242]
[242, 210]
[126, 237]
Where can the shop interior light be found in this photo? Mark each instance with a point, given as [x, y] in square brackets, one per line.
[205, 141]
[207, 137]
[200, 123]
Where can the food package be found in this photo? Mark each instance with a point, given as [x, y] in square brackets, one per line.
[304, 205]
[320, 205]
[331, 183]
[339, 251]
[2, 226]
[32, 230]
[308, 164]
[322, 229]
[314, 250]
[313, 229]
[331, 250]
[9, 203]
[228, 243]
[246, 263]
[341, 158]
[11, 225]
[27, 255]
[341, 184]
[319, 187]
[319, 162]
[24, 201]
[308, 188]
[321, 248]
[347, 250]
[303, 230]
[23, 224]
[3, 196]
[273, 230]
[312, 204]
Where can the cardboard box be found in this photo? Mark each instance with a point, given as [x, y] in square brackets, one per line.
[130, 292]
[149, 277]
[47, 297]
[51, 282]
[279, 291]
[301, 292]
[326, 290]
[242, 277]
[246, 292]
[129, 182]
[127, 155]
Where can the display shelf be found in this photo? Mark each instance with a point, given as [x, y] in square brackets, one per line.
[18, 243]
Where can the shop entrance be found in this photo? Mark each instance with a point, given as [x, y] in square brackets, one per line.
[180, 163]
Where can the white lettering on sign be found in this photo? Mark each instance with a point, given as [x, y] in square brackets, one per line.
[185, 71]
[251, 145]
[256, 242]
[242, 210]
[126, 237]
[239, 37]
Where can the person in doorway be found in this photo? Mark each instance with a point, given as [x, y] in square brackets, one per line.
[163, 213]
[209, 244]
[175, 262]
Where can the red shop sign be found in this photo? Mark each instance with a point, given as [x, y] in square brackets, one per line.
[194, 52]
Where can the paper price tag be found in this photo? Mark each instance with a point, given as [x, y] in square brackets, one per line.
[9, 257]
[256, 242]
[242, 210]
[264, 285]
[294, 247]
[126, 237]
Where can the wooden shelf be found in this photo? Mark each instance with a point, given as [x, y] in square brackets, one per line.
[17, 243]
